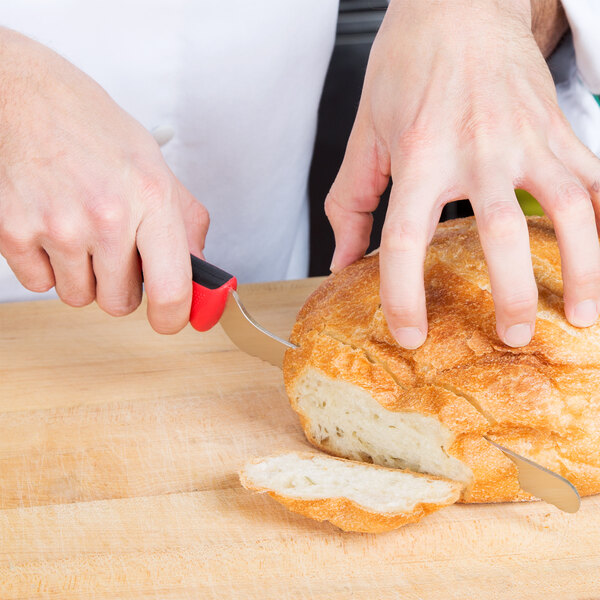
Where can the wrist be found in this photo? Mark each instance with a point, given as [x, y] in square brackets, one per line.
[464, 12]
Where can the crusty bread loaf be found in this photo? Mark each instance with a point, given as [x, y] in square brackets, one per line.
[360, 396]
[351, 495]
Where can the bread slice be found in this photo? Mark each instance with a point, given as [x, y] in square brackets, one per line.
[351, 495]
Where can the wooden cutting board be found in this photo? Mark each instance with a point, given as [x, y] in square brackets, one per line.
[118, 457]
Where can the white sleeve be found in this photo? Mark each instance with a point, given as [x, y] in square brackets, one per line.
[584, 20]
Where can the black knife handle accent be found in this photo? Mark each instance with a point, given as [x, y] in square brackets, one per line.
[211, 287]
[207, 275]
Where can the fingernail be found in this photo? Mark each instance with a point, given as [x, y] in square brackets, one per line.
[585, 313]
[409, 337]
[518, 335]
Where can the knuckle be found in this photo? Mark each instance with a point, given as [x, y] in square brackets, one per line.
[155, 188]
[329, 205]
[402, 313]
[172, 294]
[36, 284]
[355, 191]
[108, 213]
[585, 280]
[120, 307]
[167, 328]
[414, 141]
[501, 221]
[33, 278]
[64, 233]
[333, 208]
[522, 119]
[75, 298]
[15, 243]
[519, 303]
[16, 240]
[479, 126]
[402, 236]
[204, 216]
[570, 200]
[201, 217]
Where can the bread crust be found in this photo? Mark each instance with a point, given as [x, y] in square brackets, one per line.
[542, 401]
[348, 515]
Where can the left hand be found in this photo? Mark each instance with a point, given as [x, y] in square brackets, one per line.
[458, 102]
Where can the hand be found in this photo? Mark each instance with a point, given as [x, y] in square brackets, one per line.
[83, 188]
[458, 103]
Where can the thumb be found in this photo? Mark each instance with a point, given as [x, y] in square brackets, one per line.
[196, 220]
[354, 195]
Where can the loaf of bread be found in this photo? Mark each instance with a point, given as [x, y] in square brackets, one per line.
[353, 496]
[362, 397]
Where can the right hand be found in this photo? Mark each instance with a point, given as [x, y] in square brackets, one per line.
[84, 188]
[472, 114]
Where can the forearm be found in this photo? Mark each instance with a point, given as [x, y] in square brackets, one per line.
[548, 23]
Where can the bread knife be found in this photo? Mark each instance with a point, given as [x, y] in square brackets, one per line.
[543, 483]
[215, 300]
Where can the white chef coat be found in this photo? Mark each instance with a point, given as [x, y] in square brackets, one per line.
[575, 66]
[239, 82]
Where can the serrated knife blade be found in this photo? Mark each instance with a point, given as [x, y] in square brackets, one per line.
[543, 483]
[249, 336]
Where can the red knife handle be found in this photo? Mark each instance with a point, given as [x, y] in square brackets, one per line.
[211, 287]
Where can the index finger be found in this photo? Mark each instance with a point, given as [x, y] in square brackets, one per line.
[409, 224]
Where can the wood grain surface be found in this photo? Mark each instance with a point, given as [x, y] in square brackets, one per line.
[119, 450]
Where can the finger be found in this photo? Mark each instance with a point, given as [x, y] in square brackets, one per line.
[163, 247]
[405, 236]
[75, 281]
[196, 220]
[355, 193]
[115, 259]
[584, 164]
[569, 206]
[352, 231]
[32, 268]
[118, 278]
[505, 241]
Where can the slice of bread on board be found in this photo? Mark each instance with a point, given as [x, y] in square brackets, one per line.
[353, 496]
